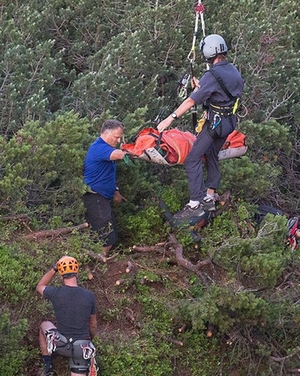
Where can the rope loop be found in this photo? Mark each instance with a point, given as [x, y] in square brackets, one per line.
[199, 10]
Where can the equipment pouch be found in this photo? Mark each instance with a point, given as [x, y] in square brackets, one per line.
[201, 122]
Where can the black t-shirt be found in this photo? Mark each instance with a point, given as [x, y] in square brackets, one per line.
[73, 307]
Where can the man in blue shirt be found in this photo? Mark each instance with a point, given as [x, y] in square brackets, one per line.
[100, 177]
[218, 90]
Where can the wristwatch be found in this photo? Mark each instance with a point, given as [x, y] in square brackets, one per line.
[174, 115]
[54, 267]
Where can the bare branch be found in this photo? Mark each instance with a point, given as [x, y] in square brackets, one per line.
[282, 359]
[54, 233]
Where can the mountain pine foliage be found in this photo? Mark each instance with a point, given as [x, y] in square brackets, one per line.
[66, 66]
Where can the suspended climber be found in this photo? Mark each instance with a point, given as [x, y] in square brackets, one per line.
[218, 90]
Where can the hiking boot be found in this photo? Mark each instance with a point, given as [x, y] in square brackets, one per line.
[188, 212]
[208, 204]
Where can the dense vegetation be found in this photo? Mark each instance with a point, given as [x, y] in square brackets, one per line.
[65, 67]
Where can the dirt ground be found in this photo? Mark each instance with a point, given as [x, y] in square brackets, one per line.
[112, 282]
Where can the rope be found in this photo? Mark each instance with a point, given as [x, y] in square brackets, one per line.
[185, 79]
[199, 10]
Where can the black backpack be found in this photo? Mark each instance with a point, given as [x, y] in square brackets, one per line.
[263, 210]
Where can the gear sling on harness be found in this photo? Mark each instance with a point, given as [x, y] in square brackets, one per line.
[73, 349]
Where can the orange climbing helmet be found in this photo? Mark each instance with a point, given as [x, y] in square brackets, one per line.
[67, 265]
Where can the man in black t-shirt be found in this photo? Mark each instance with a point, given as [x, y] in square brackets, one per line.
[75, 311]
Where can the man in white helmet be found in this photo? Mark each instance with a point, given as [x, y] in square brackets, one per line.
[218, 90]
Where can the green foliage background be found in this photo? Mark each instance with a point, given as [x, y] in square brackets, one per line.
[65, 67]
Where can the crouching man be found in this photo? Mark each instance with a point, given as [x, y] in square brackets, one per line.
[75, 312]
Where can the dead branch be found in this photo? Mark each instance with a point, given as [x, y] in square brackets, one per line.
[128, 281]
[54, 233]
[224, 198]
[168, 339]
[277, 104]
[129, 316]
[181, 261]
[178, 343]
[182, 328]
[175, 247]
[129, 267]
[16, 217]
[282, 359]
[100, 257]
[285, 280]
[210, 331]
[155, 248]
[209, 334]
[90, 274]
[26, 226]
[225, 201]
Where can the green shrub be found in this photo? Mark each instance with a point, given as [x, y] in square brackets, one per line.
[12, 353]
[135, 356]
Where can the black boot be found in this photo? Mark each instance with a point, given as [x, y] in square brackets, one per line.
[48, 365]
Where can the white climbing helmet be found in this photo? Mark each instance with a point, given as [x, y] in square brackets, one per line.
[212, 45]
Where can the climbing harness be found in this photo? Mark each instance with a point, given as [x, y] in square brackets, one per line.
[222, 110]
[88, 351]
[56, 341]
[52, 338]
[225, 111]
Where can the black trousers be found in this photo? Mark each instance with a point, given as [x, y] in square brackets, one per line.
[99, 216]
[208, 146]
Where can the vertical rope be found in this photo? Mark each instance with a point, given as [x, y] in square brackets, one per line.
[199, 10]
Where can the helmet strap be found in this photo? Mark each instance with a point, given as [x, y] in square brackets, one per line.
[211, 60]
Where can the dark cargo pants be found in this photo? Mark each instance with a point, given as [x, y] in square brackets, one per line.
[208, 146]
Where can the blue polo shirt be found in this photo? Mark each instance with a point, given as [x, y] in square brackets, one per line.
[99, 171]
